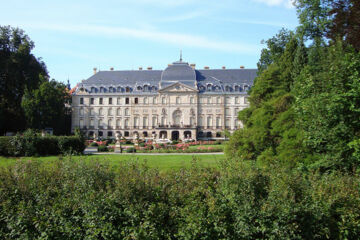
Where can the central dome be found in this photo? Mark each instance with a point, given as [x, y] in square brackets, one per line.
[178, 72]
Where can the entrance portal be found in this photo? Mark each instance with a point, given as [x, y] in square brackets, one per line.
[175, 135]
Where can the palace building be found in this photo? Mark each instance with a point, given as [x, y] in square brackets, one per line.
[180, 102]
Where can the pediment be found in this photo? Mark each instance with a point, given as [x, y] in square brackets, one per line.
[178, 87]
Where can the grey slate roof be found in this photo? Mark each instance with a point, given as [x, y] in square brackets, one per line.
[142, 81]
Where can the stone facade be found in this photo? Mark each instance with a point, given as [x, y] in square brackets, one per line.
[169, 104]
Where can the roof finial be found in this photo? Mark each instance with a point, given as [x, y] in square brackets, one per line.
[180, 55]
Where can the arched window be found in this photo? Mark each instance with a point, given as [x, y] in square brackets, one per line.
[227, 88]
[139, 88]
[246, 87]
[146, 88]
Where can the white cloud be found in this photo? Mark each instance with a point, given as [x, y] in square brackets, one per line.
[177, 39]
[285, 3]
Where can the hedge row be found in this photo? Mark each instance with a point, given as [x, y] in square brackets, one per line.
[87, 200]
[35, 145]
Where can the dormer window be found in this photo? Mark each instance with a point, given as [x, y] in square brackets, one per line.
[139, 88]
[209, 87]
[127, 89]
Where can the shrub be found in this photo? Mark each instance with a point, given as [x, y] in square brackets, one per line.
[103, 148]
[130, 150]
[142, 144]
[94, 144]
[71, 144]
[6, 148]
[128, 142]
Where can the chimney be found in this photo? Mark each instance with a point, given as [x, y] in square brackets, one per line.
[111, 69]
[242, 67]
[95, 69]
[206, 67]
[223, 67]
[149, 68]
[193, 65]
[140, 68]
[169, 64]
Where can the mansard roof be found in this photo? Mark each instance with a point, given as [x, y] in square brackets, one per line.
[206, 80]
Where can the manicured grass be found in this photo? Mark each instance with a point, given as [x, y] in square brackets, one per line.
[162, 162]
[222, 146]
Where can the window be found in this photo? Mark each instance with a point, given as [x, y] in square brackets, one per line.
[109, 134]
[227, 99]
[145, 100]
[209, 121]
[81, 123]
[218, 100]
[118, 101]
[227, 111]
[127, 89]
[191, 100]
[91, 100]
[118, 112]
[110, 100]
[126, 112]
[126, 134]
[81, 100]
[209, 100]
[100, 111]
[154, 121]
[145, 121]
[218, 122]
[100, 123]
[136, 122]
[110, 111]
[154, 100]
[100, 101]
[227, 122]
[163, 100]
[136, 100]
[126, 122]
[100, 134]
[236, 100]
[201, 121]
[177, 100]
[91, 122]
[81, 112]
[127, 100]
[118, 123]
[246, 101]
[145, 134]
[109, 123]
[91, 112]
[236, 111]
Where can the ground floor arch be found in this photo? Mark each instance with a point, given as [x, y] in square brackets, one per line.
[175, 135]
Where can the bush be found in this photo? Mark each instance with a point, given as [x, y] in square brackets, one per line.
[6, 148]
[142, 144]
[128, 142]
[32, 144]
[94, 144]
[131, 150]
[103, 148]
[240, 201]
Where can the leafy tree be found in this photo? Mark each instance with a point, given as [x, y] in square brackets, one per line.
[45, 106]
[19, 70]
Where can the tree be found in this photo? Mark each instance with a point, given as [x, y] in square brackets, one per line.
[19, 70]
[45, 106]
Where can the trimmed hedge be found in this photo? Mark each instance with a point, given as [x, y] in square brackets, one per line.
[35, 145]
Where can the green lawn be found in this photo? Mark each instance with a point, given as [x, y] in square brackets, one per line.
[163, 162]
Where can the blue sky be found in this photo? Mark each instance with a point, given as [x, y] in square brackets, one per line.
[72, 37]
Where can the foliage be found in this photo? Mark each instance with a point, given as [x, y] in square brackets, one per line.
[103, 148]
[89, 200]
[32, 144]
[130, 150]
[19, 70]
[94, 144]
[45, 106]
